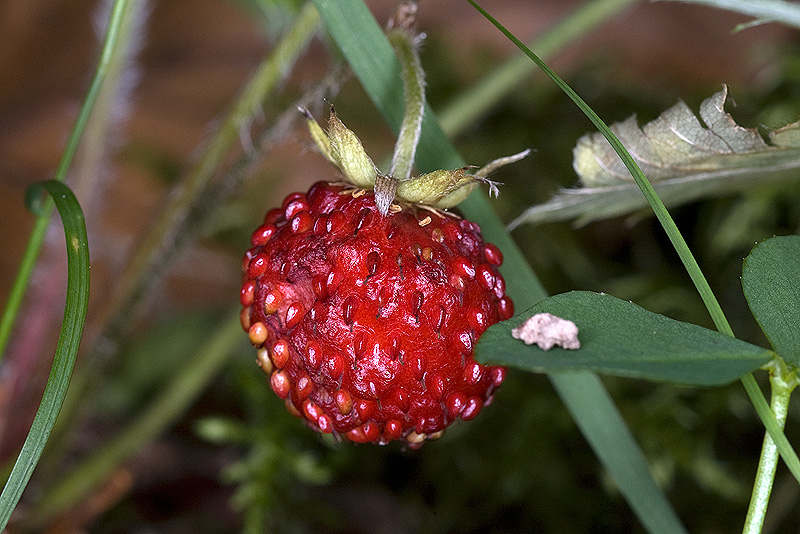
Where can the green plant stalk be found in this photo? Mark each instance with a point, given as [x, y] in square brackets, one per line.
[110, 47]
[165, 409]
[476, 101]
[159, 242]
[675, 237]
[764, 10]
[782, 383]
[67, 349]
[414, 89]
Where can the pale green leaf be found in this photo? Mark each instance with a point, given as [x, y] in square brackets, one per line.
[685, 157]
[771, 283]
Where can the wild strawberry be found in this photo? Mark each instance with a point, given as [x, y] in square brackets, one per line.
[367, 323]
[365, 311]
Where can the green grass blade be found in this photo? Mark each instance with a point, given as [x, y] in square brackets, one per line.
[364, 45]
[67, 349]
[36, 239]
[754, 393]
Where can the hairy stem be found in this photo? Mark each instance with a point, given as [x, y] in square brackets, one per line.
[159, 243]
[782, 382]
[405, 45]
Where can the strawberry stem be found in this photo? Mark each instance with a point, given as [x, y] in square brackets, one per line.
[406, 45]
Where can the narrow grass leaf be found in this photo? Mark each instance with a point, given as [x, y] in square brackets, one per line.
[68, 343]
[364, 45]
[620, 338]
[771, 283]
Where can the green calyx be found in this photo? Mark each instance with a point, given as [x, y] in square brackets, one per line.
[441, 189]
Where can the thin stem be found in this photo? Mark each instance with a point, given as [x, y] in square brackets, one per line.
[475, 102]
[160, 242]
[405, 46]
[110, 47]
[782, 382]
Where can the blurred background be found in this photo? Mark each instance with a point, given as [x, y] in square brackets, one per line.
[231, 458]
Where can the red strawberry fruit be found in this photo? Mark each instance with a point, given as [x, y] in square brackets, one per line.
[366, 323]
[365, 299]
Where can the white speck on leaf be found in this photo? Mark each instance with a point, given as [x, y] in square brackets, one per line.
[547, 331]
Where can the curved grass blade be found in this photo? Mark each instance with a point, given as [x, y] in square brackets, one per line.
[720, 321]
[68, 342]
[110, 46]
[364, 45]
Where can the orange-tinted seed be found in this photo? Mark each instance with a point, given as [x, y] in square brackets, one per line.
[272, 301]
[312, 411]
[344, 401]
[258, 333]
[280, 353]
[244, 318]
[292, 408]
[263, 361]
[280, 384]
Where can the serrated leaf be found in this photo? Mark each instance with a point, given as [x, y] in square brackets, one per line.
[771, 284]
[685, 159]
[620, 338]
